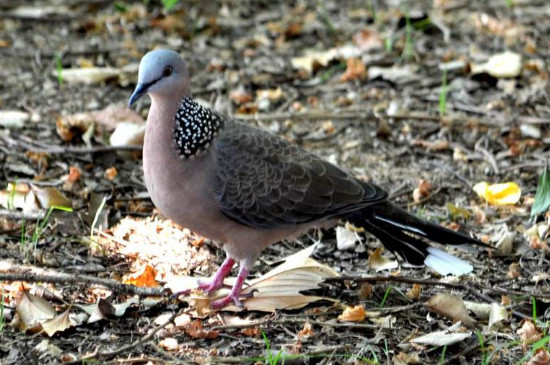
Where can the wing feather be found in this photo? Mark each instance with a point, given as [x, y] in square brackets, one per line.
[266, 182]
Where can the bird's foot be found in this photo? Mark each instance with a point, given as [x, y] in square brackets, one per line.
[231, 298]
[210, 286]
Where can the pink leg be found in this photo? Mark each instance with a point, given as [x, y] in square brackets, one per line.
[217, 281]
[235, 293]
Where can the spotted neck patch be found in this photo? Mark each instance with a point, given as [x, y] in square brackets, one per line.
[195, 128]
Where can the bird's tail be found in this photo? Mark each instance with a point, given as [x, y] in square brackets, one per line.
[402, 233]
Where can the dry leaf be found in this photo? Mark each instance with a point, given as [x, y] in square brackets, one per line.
[503, 65]
[271, 94]
[280, 288]
[368, 39]
[74, 175]
[384, 322]
[506, 241]
[542, 357]
[144, 277]
[353, 314]
[306, 332]
[128, 134]
[346, 238]
[19, 196]
[497, 316]
[240, 96]
[196, 330]
[378, 262]
[58, 324]
[314, 60]
[498, 194]
[33, 311]
[406, 359]
[182, 320]
[101, 310]
[72, 126]
[355, 70]
[422, 190]
[364, 291]
[481, 310]
[450, 306]
[414, 292]
[110, 173]
[251, 331]
[528, 334]
[443, 338]
[514, 271]
[89, 75]
[169, 343]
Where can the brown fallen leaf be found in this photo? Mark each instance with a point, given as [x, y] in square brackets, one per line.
[450, 306]
[196, 330]
[110, 173]
[353, 314]
[414, 292]
[422, 190]
[355, 70]
[32, 311]
[406, 358]
[541, 357]
[240, 96]
[278, 289]
[368, 39]
[378, 262]
[528, 334]
[306, 332]
[58, 324]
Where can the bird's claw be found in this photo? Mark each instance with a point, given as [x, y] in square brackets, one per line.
[210, 286]
[231, 298]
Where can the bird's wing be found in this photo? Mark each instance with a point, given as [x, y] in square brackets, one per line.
[266, 182]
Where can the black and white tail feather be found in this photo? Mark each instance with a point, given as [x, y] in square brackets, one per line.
[402, 234]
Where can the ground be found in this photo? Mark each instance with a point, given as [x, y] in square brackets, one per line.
[408, 95]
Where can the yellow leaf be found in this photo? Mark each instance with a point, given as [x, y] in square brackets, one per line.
[498, 194]
[145, 277]
[353, 314]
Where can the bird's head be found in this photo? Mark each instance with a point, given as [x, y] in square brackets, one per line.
[163, 73]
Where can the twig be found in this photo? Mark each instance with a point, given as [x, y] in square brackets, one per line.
[36, 146]
[11, 272]
[173, 359]
[110, 354]
[16, 215]
[466, 287]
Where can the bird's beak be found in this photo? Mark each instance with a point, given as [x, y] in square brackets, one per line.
[140, 90]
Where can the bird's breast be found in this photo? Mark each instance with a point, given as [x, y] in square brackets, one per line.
[180, 188]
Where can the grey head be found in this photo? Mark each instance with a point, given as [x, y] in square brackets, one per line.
[162, 73]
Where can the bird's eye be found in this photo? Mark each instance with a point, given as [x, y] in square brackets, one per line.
[167, 71]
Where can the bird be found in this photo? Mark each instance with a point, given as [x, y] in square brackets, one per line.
[245, 188]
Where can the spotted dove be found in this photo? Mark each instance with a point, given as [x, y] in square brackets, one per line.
[246, 189]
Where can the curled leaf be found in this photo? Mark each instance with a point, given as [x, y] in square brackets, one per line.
[353, 314]
[498, 194]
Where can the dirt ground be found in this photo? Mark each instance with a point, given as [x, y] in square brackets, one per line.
[408, 95]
